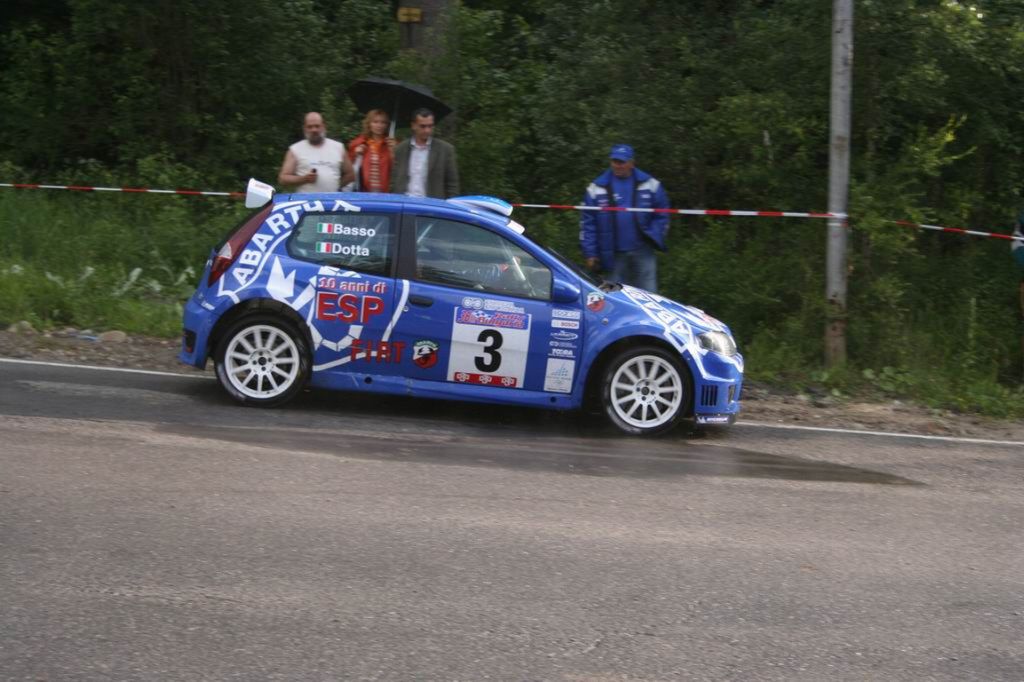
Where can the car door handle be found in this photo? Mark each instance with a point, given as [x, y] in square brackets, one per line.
[424, 301]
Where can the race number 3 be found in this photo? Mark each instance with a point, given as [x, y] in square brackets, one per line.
[490, 361]
[489, 347]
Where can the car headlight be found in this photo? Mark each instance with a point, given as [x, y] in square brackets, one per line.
[720, 342]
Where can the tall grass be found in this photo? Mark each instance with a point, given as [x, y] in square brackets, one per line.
[105, 261]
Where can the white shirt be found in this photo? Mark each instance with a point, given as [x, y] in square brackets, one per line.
[326, 157]
[419, 157]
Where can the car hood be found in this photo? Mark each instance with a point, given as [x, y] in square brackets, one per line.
[679, 320]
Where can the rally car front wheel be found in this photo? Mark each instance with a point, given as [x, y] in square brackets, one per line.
[646, 391]
[262, 360]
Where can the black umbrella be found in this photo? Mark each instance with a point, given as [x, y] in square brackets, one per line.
[398, 98]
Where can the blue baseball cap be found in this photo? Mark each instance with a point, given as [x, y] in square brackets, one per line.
[621, 152]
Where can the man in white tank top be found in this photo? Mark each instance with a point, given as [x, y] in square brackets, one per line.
[317, 163]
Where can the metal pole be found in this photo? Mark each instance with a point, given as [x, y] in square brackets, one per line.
[838, 181]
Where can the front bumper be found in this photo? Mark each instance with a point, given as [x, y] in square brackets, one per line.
[716, 397]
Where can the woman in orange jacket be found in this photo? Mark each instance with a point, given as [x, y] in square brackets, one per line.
[372, 152]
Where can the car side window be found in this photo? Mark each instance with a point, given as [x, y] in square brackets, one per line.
[471, 257]
[355, 241]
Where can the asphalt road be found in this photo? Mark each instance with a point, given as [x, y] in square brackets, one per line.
[151, 530]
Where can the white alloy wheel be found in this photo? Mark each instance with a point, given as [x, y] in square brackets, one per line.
[262, 361]
[645, 391]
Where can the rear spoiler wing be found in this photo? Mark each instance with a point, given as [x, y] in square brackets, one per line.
[258, 193]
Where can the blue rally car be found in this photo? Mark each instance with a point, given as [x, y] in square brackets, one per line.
[444, 299]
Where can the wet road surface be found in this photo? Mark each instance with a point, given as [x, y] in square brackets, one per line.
[150, 528]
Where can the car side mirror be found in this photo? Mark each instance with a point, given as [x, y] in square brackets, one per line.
[564, 292]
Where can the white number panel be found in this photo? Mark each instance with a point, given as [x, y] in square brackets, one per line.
[489, 348]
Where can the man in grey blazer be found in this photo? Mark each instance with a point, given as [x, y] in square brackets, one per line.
[424, 165]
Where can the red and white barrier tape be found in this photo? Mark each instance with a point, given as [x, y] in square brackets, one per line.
[956, 230]
[132, 190]
[688, 211]
[564, 207]
[769, 214]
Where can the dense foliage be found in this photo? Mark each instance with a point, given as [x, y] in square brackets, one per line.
[725, 101]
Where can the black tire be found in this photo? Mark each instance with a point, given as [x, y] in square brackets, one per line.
[646, 391]
[262, 360]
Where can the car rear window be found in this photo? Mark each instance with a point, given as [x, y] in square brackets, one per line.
[354, 241]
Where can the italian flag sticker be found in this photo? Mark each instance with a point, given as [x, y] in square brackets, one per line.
[325, 228]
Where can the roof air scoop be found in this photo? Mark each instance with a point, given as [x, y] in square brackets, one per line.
[493, 204]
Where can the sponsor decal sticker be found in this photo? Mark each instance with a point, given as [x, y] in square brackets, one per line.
[424, 353]
[381, 351]
[561, 344]
[345, 230]
[360, 287]
[335, 248]
[492, 319]
[485, 379]
[565, 314]
[562, 353]
[348, 308]
[565, 324]
[487, 304]
[558, 375]
[504, 306]
[595, 301]
[564, 336]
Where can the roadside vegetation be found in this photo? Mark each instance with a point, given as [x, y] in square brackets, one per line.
[103, 261]
[103, 93]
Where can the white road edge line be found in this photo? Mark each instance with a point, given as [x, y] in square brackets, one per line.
[791, 427]
[106, 369]
[887, 434]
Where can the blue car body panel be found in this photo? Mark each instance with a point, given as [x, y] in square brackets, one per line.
[395, 333]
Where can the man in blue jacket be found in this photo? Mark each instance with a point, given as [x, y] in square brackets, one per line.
[623, 242]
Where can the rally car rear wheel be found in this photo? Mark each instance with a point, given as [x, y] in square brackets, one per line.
[646, 391]
[262, 360]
